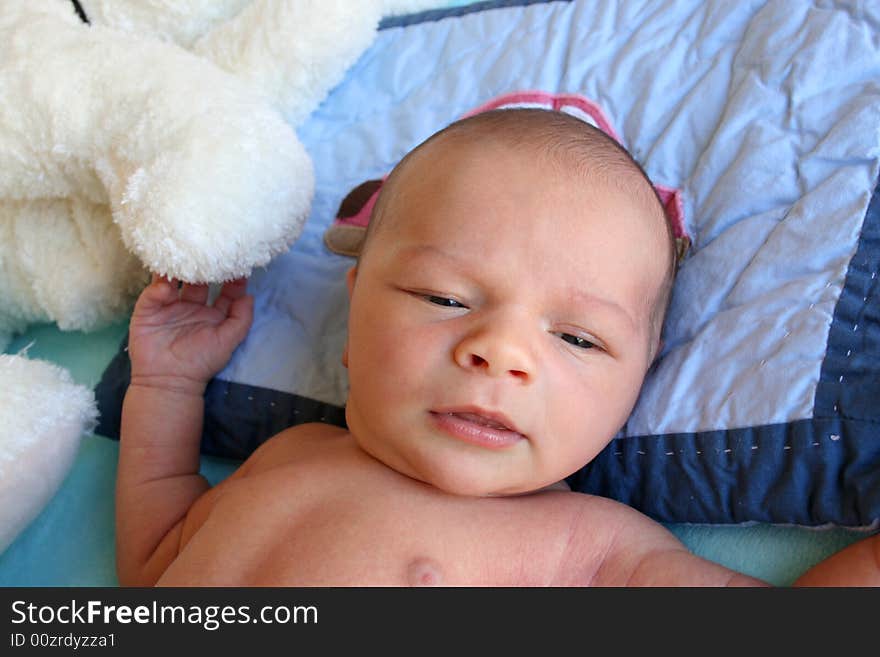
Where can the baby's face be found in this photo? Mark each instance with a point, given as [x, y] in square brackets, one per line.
[500, 321]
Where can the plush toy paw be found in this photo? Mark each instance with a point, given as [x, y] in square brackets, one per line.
[204, 179]
[43, 415]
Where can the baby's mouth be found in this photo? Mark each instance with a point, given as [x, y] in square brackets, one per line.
[482, 420]
[483, 428]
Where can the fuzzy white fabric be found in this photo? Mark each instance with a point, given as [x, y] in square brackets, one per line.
[121, 152]
[184, 21]
[178, 21]
[396, 7]
[42, 416]
[204, 179]
[92, 283]
[283, 47]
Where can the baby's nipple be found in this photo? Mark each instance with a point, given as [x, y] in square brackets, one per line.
[423, 572]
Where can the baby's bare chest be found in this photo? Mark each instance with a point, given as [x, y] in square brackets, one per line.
[362, 528]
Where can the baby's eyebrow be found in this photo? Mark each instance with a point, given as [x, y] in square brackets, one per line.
[422, 249]
[584, 299]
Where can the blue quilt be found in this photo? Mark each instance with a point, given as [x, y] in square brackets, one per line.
[764, 404]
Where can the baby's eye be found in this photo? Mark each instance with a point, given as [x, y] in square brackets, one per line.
[443, 301]
[576, 341]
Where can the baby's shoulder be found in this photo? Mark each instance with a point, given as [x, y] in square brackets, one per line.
[309, 431]
[291, 445]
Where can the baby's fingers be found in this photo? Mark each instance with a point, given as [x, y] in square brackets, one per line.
[160, 292]
[194, 293]
[235, 289]
[229, 293]
[241, 313]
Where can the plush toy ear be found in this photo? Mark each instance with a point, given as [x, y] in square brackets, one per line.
[43, 415]
[293, 53]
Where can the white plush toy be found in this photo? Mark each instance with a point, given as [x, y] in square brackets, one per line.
[159, 137]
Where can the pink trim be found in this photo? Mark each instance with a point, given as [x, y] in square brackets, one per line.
[556, 102]
[671, 199]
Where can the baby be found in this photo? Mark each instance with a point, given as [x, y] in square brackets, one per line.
[506, 305]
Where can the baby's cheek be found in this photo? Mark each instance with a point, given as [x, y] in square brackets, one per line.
[592, 408]
[394, 365]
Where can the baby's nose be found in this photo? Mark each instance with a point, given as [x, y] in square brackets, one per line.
[498, 353]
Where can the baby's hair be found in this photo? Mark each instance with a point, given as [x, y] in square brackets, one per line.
[567, 142]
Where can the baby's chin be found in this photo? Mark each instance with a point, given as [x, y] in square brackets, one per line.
[453, 481]
[463, 486]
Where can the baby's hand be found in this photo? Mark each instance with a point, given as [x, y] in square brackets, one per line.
[177, 341]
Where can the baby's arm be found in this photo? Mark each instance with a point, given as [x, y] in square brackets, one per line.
[614, 545]
[176, 344]
[856, 565]
[640, 552]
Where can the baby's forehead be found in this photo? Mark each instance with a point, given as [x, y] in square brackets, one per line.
[579, 156]
[539, 193]
[553, 169]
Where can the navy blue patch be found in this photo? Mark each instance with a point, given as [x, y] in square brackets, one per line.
[849, 385]
[238, 417]
[809, 472]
